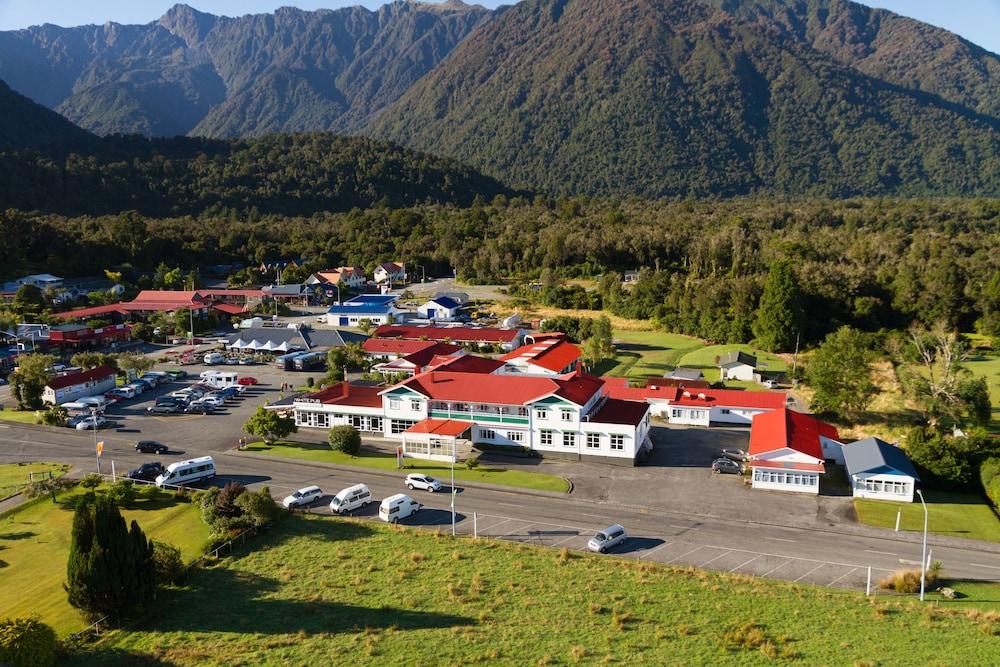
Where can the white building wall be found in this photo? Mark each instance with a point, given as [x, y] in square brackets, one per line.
[795, 481]
[884, 487]
[733, 415]
[73, 392]
[738, 372]
[690, 416]
[832, 450]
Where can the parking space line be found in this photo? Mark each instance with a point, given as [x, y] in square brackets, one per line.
[715, 559]
[565, 539]
[653, 551]
[884, 553]
[778, 539]
[686, 553]
[992, 567]
[808, 560]
[851, 571]
[778, 566]
[809, 572]
[483, 529]
[745, 564]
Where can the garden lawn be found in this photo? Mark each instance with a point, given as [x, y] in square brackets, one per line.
[953, 514]
[15, 476]
[317, 587]
[21, 416]
[640, 354]
[704, 358]
[379, 461]
[34, 546]
[988, 367]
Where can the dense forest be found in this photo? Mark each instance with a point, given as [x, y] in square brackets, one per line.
[295, 174]
[869, 263]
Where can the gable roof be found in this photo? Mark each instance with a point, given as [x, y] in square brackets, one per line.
[307, 338]
[771, 431]
[552, 354]
[467, 363]
[617, 411]
[391, 267]
[681, 373]
[729, 398]
[458, 334]
[421, 358]
[445, 302]
[344, 393]
[505, 389]
[71, 379]
[399, 346]
[737, 357]
[873, 454]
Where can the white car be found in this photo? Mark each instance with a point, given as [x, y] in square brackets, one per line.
[88, 423]
[302, 497]
[424, 482]
[607, 539]
[212, 399]
[769, 384]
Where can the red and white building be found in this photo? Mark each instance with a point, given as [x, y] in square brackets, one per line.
[699, 406]
[390, 272]
[149, 302]
[787, 450]
[72, 337]
[346, 276]
[419, 361]
[506, 339]
[549, 356]
[342, 404]
[71, 386]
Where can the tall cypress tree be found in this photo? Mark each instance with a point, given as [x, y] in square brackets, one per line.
[779, 315]
[110, 569]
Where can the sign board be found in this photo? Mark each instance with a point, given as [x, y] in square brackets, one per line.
[100, 447]
[399, 457]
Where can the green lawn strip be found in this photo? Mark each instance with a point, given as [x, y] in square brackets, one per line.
[15, 476]
[974, 594]
[34, 545]
[952, 514]
[647, 353]
[486, 473]
[20, 416]
[704, 358]
[988, 367]
[318, 586]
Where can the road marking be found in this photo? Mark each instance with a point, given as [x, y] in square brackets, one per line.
[674, 525]
[594, 516]
[994, 567]
[653, 551]
[884, 553]
[809, 572]
[715, 559]
[777, 567]
[745, 564]
[851, 571]
[565, 539]
[809, 560]
[483, 529]
[686, 553]
[779, 539]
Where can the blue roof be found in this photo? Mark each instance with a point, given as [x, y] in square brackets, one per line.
[446, 302]
[872, 455]
[373, 299]
[362, 308]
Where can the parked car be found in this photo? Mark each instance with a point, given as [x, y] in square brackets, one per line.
[229, 392]
[422, 482]
[151, 447]
[302, 497]
[147, 472]
[91, 423]
[113, 396]
[247, 381]
[769, 384]
[177, 374]
[200, 408]
[728, 466]
[213, 358]
[607, 539]
[350, 499]
[397, 507]
[735, 454]
[213, 399]
[165, 408]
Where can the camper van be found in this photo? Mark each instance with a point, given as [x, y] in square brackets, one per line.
[187, 472]
[219, 379]
[95, 402]
[350, 499]
[213, 358]
[397, 507]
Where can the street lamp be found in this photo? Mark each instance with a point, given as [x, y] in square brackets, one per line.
[923, 553]
[454, 444]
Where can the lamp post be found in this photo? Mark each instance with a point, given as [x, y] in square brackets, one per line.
[454, 443]
[923, 552]
[97, 453]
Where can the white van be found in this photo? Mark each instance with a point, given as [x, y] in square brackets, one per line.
[75, 406]
[219, 379]
[136, 388]
[128, 391]
[98, 402]
[350, 499]
[397, 507]
[214, 358]
[187, 472]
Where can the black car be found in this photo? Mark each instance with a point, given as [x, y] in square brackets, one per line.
[725, 465]
[151, 447]
[147, 471]
[199, 408]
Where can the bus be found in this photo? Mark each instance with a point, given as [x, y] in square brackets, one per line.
[308, 360]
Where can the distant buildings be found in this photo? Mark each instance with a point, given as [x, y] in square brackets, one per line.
[376, 308]
[390, 272]
[506, 339]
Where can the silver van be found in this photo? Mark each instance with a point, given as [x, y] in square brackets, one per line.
[350, 499]
[607, 539]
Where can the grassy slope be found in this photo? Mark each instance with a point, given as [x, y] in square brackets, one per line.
[989, 367]
[22, 416]
[379, 461]
[646, 353]
[320, 587]
[34, 542]
[953, 514]
[14, 476]
[704, 358]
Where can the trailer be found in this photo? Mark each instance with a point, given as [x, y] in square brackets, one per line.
[305, 361]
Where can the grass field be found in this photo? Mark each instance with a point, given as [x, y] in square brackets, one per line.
[988, 367]
[646, 353]
[21, 416]
[34, 545]
[952, 514]
[319, 587]
[704, 358]
[15, 476]
[369, 459]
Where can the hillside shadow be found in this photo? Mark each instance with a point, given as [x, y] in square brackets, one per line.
[253, 604]
[23, 535]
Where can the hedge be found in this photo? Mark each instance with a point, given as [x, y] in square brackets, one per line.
[989, 475]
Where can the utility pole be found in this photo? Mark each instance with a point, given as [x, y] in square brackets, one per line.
[795, 359]
[923, 553]
[453, 454]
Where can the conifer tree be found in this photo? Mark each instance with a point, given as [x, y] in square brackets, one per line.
[779, 315]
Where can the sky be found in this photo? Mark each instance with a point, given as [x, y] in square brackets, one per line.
[976, 20]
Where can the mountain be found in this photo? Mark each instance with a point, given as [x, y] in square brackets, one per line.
[690, 97]
[195, 73]
[25, 124]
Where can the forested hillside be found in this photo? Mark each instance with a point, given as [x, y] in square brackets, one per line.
[24, 124]
[297, 174]
[871, 263]
[678, 98]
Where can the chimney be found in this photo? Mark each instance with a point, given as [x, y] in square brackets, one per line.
[687, 394]
[701, 396]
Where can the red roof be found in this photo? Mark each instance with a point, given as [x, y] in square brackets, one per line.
[782, 428]
[615, 411]
[553, 354]
[344, 393]
[458, 334]
[94, 311]
[222, 293]
[451, 428]
[421, 358]
[730, 398]
[99, 373]
[616, 387]
[398, 346]
[229, 308]
[674, 382]
[505, 389]
[467, 363]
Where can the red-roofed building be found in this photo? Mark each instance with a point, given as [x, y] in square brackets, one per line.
[71, 386]
[417, 362]
[390, 272]
[343, 403]
[787, 450]
[550, 356]
[73, 337]
[389, 349]
[467, 363]
[345, 276]
[698, 406]
[507, 339]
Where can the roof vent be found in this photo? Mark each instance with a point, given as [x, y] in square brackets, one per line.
[701, 396]
[687, 394]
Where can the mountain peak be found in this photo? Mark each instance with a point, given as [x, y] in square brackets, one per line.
[188, 23]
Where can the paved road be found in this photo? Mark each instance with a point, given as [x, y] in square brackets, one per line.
[809, 556]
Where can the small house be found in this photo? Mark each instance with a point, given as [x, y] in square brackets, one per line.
[390, 272]
[439, 308]
[880, 471]
[737, 365]
[376, 308]
[72, 386]
[787, 452]
[352, 277]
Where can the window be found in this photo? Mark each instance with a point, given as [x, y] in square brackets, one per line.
[566, 415]
[394, 404]
[541, 413]
[545, 438]
[675, 413]
[725, 411]
[593, 440]
[487, 434]
[522, 411]
[322, 419]
[461, 407]
[569, 439]
[439, 405]
[415, 406]
[617, 442]
[515, 436]
[397, 426]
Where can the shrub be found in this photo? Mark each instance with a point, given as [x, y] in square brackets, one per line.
[122, 492]
[259, 508]
[345, 439]
[167, 562]
[26, 642]
[989, 475]
[54, 416]
[310, 381]
[472, 462]
[908, 581]
[147, 492]
[44, 487]
[91, 481]
[225, 501]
